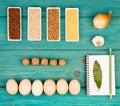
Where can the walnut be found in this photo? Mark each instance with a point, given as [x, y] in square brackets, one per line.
[25, 61]
[35, 61]
[44, 61]
[62, 62]
[53, 62]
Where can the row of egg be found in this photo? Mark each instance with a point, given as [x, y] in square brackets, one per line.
[37, 87]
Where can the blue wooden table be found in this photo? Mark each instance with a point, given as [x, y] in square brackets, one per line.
[11, 53]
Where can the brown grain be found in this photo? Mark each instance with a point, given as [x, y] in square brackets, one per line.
[14, 23]
[53, 24]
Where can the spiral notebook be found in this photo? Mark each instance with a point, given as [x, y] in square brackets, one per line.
[103, 60]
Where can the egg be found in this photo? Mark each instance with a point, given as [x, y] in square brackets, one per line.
[12, 87]
[49, 87]
[62, 86]
[25, 87]
[37, 88]
[74, 87]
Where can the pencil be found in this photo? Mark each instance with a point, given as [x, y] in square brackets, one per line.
[110, 73]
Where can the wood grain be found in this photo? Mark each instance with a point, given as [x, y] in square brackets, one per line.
[58, 100]
[11, 53]
[88, 8]
[87, 32]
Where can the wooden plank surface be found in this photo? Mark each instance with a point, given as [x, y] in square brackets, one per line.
[87, 32]
[11, 66]
[11, 53]
[58, 100]
[88, 8]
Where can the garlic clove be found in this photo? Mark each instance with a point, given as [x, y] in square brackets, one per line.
[98, 41]
[101, 21]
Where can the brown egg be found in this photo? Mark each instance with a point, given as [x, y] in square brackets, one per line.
[25, 87]
[74, 87]
[62, 86]
[44, 61]
[37, 88]
[49, 87]
[35, 61]
[12, 86]
[53, 62]
[62, 62]
[25, 61]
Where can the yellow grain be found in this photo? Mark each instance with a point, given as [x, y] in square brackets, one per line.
[72, 24]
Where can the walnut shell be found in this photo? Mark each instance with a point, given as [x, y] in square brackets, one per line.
[25, 61]
[53, 62]
[35, 61]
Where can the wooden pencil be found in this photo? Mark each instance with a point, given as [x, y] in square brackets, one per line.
[110, 73]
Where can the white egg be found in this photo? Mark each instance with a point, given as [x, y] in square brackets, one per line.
[12, 86]
[25, 87]
[74, 87]
[37, 88]
[49, 87]
[62, 86]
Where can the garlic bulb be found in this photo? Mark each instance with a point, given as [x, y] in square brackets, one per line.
[98, 41]
[101, 21]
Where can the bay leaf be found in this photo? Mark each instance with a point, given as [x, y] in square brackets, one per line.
[97, 74]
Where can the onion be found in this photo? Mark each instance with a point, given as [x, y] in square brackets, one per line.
[101, 21]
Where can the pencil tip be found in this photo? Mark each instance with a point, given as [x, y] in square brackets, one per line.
[110, 49]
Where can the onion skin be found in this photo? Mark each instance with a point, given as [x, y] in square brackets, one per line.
[101, 21]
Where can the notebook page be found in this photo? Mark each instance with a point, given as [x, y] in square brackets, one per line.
[104, 63]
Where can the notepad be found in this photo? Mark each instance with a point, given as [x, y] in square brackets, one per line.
[103, 61]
